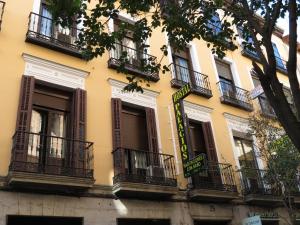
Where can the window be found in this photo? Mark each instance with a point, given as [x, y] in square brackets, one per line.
[215, 24]
[197, 138]
[135, 146]
[43, 31]
[201, 138]
[134, 128]
[128, 45]
[265, 106]
[279, 61]
[143, 222]
[131, 55]
[48, 127]
[246, 155]
[37, 220]
[248, 164]
[51, 129]
[226, 80]
[183, 65]
[249, 51]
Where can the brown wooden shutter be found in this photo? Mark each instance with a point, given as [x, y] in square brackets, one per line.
[23, 118]
[214, 177]
[151, 129]
[209, 142]
[118, 153]
[79, 131]
[116, 107]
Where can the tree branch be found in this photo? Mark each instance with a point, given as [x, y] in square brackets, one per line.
[292, 61]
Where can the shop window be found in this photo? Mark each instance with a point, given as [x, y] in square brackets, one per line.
[143, 222]
[46, 220]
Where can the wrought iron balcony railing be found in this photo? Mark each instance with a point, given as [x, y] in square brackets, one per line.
[216, 176]
[43, 31]
[144, 167]
[256, 181]
[232, 95]
[134, 61]
[2, 5]
[280, 63]
[198, 81]
[44, 154]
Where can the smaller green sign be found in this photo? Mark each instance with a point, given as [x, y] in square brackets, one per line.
[195, 165]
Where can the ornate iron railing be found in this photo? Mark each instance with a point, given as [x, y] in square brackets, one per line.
[39, 153]
[183, 75]
[44, 31]
[134, 61]
[232, 95]
[216, 176]
[2, 5]
[143, 167]
[256, 181]
[280, 63]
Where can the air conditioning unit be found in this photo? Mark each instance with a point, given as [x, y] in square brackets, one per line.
[64, 38]
[155, 171]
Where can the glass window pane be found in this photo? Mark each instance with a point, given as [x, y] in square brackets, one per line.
[57, 132]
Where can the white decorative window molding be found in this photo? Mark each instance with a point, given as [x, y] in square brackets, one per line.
[53, 72]
[146, 99]
[197, 112]
[36, 6]
[237, 123]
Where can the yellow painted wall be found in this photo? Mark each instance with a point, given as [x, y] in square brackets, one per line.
[13, 45]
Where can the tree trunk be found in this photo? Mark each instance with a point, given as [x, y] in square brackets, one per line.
[274, 92]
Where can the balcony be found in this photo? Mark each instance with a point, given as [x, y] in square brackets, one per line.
[2, 5]
[133, 61]
[198, 81]
[251, 54]
[257, 189]
[235, 96]
[214, 184]
[41, 161]
[43, 31]
[281, 65]
[143, 174]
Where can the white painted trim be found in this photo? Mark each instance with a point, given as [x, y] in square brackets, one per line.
[53, 72]
[197, 112]
[169, 49]
[146, 99]
[194, 57]
[36, 6]
[177, 162]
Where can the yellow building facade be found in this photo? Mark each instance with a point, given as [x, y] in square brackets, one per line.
[76, 149]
